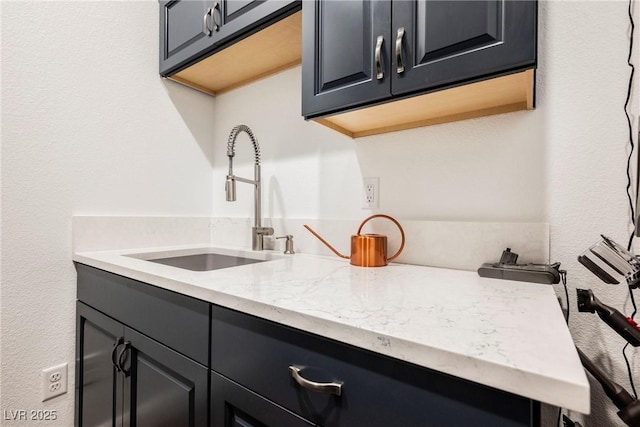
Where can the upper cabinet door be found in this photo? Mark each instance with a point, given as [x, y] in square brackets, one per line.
[346, 54]
[184, 32]
[440, 43]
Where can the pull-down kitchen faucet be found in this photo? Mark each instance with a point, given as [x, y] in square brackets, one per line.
[257, 231]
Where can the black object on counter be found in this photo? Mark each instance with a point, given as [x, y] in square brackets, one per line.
[508, 269]
[629, 408]
[626, 327]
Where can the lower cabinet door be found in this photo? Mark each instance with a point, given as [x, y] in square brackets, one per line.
[162, 387]
[98, 384]
[235, 406]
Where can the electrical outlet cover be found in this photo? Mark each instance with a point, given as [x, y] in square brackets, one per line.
[370, 193]
[54, 381]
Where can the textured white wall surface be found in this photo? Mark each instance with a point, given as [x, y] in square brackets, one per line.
[584, 76]
[450, 172]
[88, 128]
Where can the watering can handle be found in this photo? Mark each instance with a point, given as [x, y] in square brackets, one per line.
[390, 219]
[325, 242]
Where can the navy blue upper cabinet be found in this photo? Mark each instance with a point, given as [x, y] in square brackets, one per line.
[183, 34]
[256, 36]
[365, 53]
[135, 365]
[439, 43]
[345, 45]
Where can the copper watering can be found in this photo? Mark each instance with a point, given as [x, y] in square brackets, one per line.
[367, 250]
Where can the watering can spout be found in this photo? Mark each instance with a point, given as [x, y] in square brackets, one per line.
[325, 242]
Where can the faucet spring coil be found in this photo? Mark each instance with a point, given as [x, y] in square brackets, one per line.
[231, 152]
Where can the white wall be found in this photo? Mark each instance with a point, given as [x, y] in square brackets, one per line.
[88, 127]
[470, 170]
[585, 47]
[563, 163]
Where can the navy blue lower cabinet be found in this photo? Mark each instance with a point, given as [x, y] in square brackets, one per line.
[138, 349]
[212, 366]
[260, 356]
[127, 379]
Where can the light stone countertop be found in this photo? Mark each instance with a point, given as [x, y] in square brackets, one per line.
[504, 334]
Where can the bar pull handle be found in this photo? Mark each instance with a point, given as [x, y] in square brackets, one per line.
[216, 24]
[399, 37]
[205, 23]
[122, 358]
[327, 388]
[118, 343]
[377, 55]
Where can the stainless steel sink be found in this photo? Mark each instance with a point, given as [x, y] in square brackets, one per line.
[205, 262]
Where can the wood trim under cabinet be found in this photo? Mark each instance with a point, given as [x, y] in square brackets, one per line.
[499, 95]
[271, 50]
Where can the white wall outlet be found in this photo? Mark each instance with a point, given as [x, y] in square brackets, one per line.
[54, 381]
[371, 193]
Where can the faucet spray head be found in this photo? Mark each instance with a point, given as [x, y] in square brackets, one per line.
[230, 183]
[230, 189]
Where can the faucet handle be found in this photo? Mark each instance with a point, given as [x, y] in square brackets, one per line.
[288, 248]
[264, 231]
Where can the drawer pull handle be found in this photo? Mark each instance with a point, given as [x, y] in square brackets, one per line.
[205, 24]
[216, 25]
[399, 62]
[377, 54]
[328, 388]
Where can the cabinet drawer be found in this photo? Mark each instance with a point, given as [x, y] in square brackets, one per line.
[376, 390]
[234, 405]
[178, 321]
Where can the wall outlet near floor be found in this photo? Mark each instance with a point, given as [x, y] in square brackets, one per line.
[371, 193]
[54, 381]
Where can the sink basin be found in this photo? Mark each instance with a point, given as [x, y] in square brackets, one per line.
[205, 262]
[205, 258]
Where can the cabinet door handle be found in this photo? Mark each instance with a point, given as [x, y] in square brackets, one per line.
[205, 23]
[378, 54]
[399, 38]
[328, 388]
[118, 343]
[216, 25]
[122, 359]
